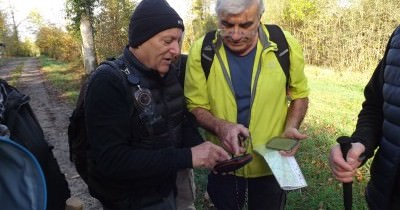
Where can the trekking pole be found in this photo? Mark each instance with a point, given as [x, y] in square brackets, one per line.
[345, 145]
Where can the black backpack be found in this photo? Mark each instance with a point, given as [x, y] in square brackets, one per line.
[276, 35]
[77, 136]
[24, 128]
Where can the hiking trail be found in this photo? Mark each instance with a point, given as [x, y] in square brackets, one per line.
[52, 113]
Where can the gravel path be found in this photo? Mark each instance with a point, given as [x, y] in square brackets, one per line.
[52, 114]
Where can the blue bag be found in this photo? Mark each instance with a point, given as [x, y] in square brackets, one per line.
[22, 182]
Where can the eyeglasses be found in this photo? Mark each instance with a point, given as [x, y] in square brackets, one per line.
[232, 31]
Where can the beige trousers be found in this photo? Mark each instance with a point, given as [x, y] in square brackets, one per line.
[186, 190]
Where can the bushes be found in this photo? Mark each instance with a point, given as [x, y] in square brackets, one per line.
[55, 43]
[349, 36]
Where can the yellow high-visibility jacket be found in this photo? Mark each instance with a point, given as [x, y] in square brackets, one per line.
[269, 107]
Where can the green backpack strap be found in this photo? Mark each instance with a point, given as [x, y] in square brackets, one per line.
[276, 35]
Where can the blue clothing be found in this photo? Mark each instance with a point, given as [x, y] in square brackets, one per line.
[241, 68]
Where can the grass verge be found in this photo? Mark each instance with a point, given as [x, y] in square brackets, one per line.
[335, 101]
[65, 77]
[15, 75]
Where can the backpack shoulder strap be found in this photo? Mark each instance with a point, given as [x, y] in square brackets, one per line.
[117, 68]
[277, 36]
[89, 78]
[111, 62]
[181, 67]
[122, 70]
[207, 53]
[128, 79]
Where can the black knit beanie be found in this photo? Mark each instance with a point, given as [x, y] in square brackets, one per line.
[151, 17]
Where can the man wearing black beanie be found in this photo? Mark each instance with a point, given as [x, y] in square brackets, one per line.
[151, 17]
[139, 132]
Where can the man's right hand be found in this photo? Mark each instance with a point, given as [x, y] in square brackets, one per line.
[207, 154]
[228, 133]
[343, 170]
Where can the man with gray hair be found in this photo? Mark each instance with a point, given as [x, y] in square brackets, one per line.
[245, 94]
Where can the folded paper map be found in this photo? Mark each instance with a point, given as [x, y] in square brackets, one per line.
[285, 169]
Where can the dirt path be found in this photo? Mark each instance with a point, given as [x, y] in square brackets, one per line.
[53, 115]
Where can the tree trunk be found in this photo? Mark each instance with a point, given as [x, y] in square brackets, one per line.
[88, 49]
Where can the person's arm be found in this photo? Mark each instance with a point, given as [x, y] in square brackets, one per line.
[298, 92]
[296, 113]
[109, 134]
[367, 133]
[369, 125]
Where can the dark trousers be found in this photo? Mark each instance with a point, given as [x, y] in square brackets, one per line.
[228, 192]
[167, 203]
[395, 201]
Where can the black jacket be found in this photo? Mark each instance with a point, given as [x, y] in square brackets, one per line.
[378, 126]
[127, 160]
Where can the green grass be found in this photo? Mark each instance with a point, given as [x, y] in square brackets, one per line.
[15, 74]
[65, 77]
[335, 101]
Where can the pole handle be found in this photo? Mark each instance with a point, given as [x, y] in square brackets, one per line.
[345, 146]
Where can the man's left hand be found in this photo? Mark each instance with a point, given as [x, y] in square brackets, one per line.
[294, 134]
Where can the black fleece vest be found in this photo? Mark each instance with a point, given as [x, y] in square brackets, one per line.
[162, 128]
